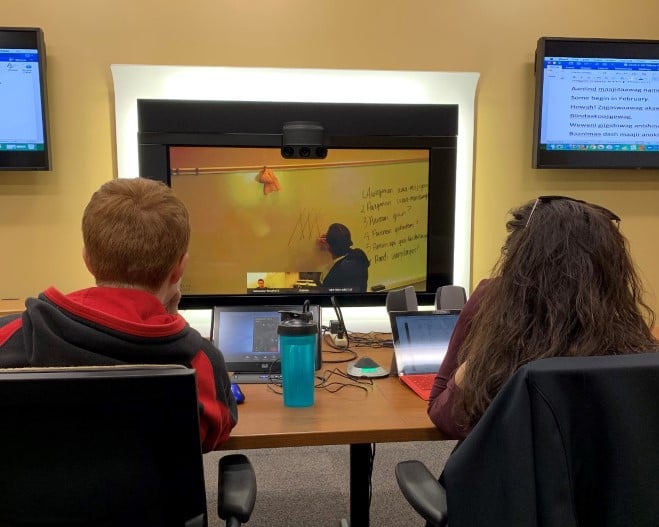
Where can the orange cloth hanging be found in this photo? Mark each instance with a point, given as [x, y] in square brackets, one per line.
[269, 180]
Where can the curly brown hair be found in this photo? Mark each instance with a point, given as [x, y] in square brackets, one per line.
[565, 285]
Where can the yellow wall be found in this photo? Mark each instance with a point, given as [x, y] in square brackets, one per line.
[40, 212]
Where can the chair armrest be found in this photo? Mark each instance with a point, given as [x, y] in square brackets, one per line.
[236, 488]
[423, 491]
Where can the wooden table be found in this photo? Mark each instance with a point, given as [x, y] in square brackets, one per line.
[387, 412]
[10, 306]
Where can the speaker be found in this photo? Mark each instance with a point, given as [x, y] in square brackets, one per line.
[402, 299]
[450, 297]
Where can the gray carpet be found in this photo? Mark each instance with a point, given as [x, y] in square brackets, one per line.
[309, 486]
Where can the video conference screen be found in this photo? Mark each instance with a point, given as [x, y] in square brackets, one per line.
[262, 224]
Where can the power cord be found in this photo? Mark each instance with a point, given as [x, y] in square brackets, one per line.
[352, 354]
[335, 386]
[323, 382]
[341, 339]
[374, 339]
[368, 340]
[340, 334]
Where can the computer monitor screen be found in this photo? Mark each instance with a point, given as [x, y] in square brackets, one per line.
[596, 103]
[23, 107]
[369, 214]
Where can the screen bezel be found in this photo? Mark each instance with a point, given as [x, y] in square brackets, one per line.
[587, 48]
[29, 38]
[165, 123]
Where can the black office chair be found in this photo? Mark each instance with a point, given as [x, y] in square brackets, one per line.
[567, 442]
[109, 446]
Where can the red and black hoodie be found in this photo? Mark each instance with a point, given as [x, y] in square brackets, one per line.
[104, 326]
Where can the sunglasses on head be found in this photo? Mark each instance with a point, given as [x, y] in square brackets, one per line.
[548, 199]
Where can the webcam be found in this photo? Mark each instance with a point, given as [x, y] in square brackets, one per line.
[303, 140]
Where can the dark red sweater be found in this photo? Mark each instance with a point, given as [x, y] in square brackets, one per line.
[443, 396]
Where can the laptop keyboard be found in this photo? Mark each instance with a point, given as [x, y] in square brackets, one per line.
[422, 381]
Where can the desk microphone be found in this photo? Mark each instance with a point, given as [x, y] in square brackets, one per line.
[366, 367]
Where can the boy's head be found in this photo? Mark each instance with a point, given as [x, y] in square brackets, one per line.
[135, 232]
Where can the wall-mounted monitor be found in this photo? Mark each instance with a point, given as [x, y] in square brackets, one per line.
[23, 105]
[269, 209]
[596, 103]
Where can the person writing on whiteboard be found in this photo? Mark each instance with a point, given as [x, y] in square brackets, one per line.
[565, 285]
[135, 234]
[348, 271]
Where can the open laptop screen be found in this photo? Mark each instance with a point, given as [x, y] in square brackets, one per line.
[421, 339]
[247, 336]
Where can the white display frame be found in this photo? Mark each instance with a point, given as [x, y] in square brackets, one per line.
[133, 82]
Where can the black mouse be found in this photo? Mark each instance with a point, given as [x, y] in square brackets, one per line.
[238, 394]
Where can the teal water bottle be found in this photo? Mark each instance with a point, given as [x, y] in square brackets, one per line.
[297, 347]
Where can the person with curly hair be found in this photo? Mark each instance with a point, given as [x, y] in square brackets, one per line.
[564, 286]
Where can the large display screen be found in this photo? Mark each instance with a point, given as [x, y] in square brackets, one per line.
[375, 212]
[260, 222]
[597, 103]
[24, 123]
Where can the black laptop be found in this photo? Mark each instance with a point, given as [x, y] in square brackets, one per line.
[247, 337]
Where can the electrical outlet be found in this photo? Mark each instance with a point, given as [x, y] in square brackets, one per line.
[339, 342]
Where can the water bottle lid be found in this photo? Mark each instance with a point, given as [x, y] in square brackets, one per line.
[297, 323]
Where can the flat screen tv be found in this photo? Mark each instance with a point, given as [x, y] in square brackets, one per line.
[596, 103]
[274, 188]
[23, 105]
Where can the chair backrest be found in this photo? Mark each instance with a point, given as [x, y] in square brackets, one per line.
[101, 446]
[566, 442]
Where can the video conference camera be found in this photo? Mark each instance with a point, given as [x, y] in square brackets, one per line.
[303, 140]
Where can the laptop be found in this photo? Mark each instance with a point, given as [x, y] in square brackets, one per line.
[420, 343]
[247, 337]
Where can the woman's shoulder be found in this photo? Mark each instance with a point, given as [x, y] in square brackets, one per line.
[480, 289]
